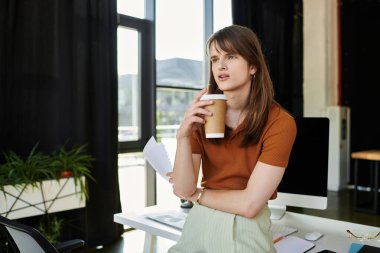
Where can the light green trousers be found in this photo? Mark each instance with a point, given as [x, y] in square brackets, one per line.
[211, 231]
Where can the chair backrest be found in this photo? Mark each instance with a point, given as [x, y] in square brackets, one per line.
[25, 238]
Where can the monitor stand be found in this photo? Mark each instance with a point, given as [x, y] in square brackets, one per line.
[277, 211]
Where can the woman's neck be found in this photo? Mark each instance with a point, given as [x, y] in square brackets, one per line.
[236, 102]
[234, 118]
[235, 111]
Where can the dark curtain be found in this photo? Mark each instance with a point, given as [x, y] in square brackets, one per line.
[360, 71]
[360, 76]
[58, 84]
[278, 24]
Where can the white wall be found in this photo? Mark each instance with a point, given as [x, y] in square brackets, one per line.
[320, 84]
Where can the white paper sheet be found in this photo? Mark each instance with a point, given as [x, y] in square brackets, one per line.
[157, 156]
[293, 244]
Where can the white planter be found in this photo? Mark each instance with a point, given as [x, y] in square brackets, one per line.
[48, 197]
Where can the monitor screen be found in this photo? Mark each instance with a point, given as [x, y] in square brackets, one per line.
[304, 183]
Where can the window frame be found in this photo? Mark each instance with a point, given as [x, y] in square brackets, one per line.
[146, 31]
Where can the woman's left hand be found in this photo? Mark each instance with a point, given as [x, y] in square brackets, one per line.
[193, 197]
[170, 176]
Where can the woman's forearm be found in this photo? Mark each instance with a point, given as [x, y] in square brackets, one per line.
[185, 176]
[247, 202]
[232, 201]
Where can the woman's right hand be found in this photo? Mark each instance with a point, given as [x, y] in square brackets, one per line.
[194, 115]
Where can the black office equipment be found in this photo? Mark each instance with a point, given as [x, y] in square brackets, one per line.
[305, 180]
[26, 239]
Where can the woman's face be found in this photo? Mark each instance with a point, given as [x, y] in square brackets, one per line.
[231, 71]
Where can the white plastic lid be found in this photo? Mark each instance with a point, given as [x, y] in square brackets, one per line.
[214, 135]
[213, 97]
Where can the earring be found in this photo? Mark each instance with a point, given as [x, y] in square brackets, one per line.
[253, 76]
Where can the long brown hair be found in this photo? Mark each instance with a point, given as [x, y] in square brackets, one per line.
[243, 41]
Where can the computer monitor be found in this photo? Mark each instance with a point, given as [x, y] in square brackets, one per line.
[304, 183]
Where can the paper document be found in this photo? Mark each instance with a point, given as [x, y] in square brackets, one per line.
[156, 154]
[293, 244]
[172, 218]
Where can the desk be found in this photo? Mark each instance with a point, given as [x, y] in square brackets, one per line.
[335, 237]
[372, 156]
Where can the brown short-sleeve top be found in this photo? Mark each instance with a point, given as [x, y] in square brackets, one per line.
[227, 165]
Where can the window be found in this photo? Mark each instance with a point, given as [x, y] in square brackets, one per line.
[129, 84]
[222, 14]
[136, 88]
[132, 8]
[179, 60]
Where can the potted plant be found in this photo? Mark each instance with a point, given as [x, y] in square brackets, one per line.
[75, 163]
[44, 183]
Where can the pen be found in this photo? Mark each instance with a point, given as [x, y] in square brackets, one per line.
[278, 239]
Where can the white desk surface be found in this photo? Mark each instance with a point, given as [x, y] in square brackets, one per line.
[335, 236]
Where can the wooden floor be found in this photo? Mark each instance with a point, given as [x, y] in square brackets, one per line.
[340, 206]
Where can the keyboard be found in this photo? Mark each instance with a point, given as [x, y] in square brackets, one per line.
[282, 230]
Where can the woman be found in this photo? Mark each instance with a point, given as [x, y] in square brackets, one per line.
[241, 172]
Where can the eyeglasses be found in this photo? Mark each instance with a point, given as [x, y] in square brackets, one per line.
[362, 236]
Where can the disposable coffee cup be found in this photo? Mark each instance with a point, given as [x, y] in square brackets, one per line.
[214, 125]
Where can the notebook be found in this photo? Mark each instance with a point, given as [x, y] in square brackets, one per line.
[362, 248]
[172, 218]
[293, 244]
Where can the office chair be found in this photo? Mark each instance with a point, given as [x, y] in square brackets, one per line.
[26, 239]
